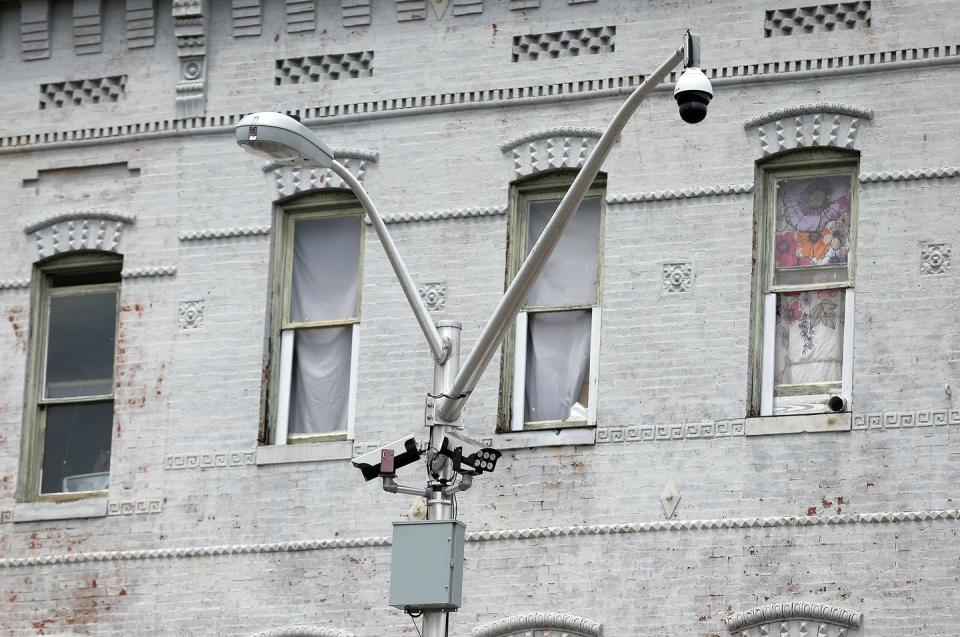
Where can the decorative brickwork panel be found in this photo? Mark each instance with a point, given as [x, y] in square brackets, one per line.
[934, 258]
[548, 624]
[190, 30]
[35, 29]
[141, 27]
[821, 17]
[77, 92]
[467, 7]
[87, 28]
[677, 277]
[588, 41]
[550, 149]
[408, 10]
[82, 230]
[246, 18]
[356, 13]
[301, 16]
[324, 67]
[807, 126]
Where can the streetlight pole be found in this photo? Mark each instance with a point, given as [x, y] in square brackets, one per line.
[283, 139]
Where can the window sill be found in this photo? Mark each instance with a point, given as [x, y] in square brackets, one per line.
[556, 437]
[92, 507]
[806, 423]
[305, 452]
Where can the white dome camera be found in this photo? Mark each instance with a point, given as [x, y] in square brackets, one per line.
[693, 92]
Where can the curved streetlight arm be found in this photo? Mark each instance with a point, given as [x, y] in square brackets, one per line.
[505, 312]
[437, 346]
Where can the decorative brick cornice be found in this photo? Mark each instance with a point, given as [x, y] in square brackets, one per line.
[302, 631]
[521, 625]
[14, 284]
[78, 215]
[455, 213]
[224, 233]
[149, 271]
[809, 109]
[947, 172]
[887, 517]
[770, 613]
[681, 193]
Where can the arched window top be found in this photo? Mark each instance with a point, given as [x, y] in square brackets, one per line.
[288, 181]
[826, 620]
[77, 231]
[806, 126]
[551, 149]
[539, 624]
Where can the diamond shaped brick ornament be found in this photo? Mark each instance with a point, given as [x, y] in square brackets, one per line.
[669, 499]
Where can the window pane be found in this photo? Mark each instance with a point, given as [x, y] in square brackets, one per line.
[320, 386]
[326, 269]
[80, 345]
[558, 365]
[812, 237]
[571, 275]
[76, 447]
[809, 338]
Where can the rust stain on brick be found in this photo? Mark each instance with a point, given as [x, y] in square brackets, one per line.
[812, 511]
[15, 318]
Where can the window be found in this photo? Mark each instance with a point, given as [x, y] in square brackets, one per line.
[549, 376]
[316, 321]
[804, 294]
[69, 418]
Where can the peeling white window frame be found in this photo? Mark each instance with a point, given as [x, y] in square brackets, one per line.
[29, 482]
[513, 362]
[806, 163]
[277, 404]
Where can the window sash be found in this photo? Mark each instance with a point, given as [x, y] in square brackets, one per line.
[282, 348]
[518, 397]
[33, 440]
[282, 435]
[769, 226]
[777, 400]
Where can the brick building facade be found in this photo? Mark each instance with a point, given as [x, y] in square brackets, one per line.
[793, 247]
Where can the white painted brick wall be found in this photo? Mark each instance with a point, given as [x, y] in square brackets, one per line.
[665, 359]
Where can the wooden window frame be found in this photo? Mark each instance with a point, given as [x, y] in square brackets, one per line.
[277, 400]
[805, 163]
[513, 366]
[35, 408]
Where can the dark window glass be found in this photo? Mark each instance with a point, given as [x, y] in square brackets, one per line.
[76, 447]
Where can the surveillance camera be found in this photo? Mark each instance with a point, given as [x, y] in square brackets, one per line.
[693, 93]
[468, 455]
[837, 403]
[374, 464]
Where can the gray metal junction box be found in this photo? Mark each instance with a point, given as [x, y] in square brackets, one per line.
[426, 568]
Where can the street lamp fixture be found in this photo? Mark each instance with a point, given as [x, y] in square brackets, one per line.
[453, 459]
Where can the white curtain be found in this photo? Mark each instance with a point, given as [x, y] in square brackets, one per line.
[320, 386]
[809, 340]
[326, 269]
[558, 363]
[570, 276]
